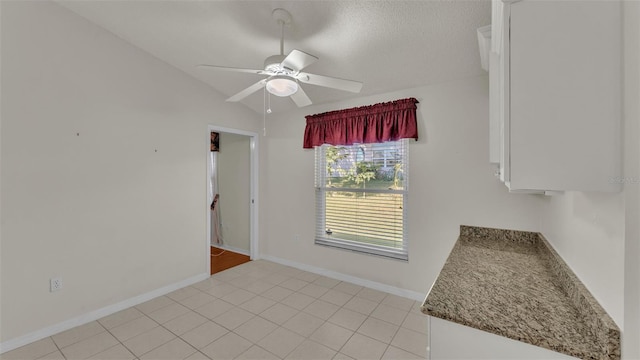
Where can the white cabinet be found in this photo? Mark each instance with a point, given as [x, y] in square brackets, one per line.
[448, 340]
[556, 92]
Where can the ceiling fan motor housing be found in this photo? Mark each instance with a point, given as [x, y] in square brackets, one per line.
[272, 63]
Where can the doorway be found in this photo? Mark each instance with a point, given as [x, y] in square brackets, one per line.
[232, 182]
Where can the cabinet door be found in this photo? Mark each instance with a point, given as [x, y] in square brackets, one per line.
[565, 95]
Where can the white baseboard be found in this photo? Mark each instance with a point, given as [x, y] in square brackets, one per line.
[96, 314]
[231, 248]
[414, 295]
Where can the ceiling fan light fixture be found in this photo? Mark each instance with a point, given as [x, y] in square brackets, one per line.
[281, 86]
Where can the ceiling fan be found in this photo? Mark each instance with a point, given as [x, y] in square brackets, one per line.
[284, 73]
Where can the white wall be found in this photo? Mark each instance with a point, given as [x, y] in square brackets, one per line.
[103, 168]
[451, 183]
[234, 181]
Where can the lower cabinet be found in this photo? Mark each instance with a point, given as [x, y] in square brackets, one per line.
[448, 340]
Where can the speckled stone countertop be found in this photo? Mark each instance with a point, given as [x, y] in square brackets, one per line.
[514, 284]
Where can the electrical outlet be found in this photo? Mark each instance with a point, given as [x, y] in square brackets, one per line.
[55, 284]
[296, 237]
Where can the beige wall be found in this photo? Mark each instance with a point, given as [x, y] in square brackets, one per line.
[234, 179]
[451, 183]
[103, 168]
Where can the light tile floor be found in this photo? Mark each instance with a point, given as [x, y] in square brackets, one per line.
[258, 310]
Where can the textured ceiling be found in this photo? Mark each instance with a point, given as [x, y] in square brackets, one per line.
[387, 45]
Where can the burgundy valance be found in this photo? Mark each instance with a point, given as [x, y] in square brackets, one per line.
[377, 123]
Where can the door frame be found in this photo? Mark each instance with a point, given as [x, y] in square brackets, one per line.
[253, 189]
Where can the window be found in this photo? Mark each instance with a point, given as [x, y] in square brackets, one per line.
[361, 197]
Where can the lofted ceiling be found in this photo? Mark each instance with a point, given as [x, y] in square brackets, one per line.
[387, 45]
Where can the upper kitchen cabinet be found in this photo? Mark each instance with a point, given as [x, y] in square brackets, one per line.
[556, 90]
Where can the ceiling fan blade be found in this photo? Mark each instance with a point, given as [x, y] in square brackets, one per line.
[298, 60]
[226, 68]
[248, 91]
[330, 82]
[300, 98]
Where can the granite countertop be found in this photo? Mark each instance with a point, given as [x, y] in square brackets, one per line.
[514, 284]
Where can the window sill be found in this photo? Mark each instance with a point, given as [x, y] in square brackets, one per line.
[389, 253]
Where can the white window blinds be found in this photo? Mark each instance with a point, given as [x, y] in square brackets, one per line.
[361, 196]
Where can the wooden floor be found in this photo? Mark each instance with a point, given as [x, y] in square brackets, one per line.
[225, 259]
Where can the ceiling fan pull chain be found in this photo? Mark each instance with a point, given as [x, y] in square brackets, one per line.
[264, 113]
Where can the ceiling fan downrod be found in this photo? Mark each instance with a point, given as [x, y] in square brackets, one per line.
[281, 37]
[282, 18]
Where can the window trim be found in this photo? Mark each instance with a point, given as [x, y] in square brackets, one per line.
[356, 246]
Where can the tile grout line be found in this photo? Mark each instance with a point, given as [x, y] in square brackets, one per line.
[57, 347]
[110, 333]
[150, 318]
